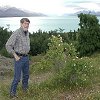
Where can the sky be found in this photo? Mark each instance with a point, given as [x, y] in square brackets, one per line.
[53, 7]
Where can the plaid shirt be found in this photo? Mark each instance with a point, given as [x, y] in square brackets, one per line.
[18, 42]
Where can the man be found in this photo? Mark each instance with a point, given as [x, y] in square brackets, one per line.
[19, 45]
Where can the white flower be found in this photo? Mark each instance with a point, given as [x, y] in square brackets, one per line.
[76, 57]
[85, 79]
[58, 35]
[91, 66]
[53, 36]
[58, 44]
[61, 41]
[65, 48]
[74, 64]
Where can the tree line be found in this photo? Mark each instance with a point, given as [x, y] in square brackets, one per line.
[86, 38]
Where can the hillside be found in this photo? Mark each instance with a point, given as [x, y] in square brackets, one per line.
[41, 93]
[15, 12]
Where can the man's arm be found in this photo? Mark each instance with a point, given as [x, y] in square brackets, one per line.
[10, 45]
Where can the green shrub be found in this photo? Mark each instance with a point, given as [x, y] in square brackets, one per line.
[68, 69]
[77, 73]
[56, 54]
[69, 49]
[4, 52]
[54, 58]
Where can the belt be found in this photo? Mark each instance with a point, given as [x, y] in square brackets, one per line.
[19, 54]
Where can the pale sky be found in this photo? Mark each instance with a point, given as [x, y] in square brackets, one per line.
[53, 7]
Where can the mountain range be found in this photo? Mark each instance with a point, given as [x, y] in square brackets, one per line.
[89, 12]
[15, 12]
[96, 13]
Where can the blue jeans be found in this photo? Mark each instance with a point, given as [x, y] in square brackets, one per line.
[20, 67]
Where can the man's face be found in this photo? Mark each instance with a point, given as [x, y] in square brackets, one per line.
[25, 25]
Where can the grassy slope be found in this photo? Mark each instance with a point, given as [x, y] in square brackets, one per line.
[36, 93]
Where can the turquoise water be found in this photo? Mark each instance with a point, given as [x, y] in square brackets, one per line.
[44, 23]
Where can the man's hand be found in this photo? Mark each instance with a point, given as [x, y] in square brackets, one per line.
[16, 57]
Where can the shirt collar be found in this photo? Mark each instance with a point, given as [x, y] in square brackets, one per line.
[24, 32]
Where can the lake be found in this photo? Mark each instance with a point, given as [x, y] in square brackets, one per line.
[44, 23]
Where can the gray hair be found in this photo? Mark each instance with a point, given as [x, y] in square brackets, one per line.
[24, 19]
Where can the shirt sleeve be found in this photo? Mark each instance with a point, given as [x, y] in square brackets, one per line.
[11, 42]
